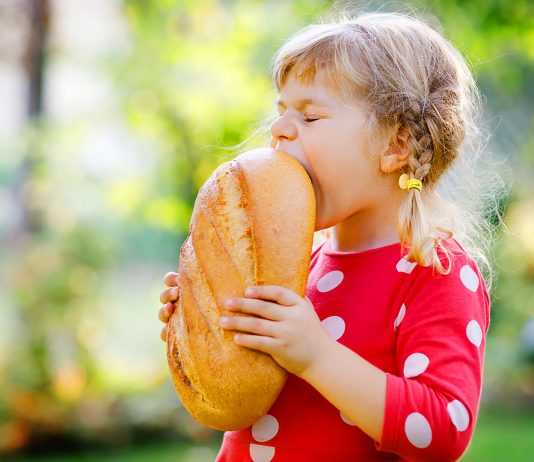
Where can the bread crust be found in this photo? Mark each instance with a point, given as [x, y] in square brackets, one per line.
[252, 224]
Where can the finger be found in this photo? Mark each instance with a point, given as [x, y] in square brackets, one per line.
[171, 279]
[163, 333]
[268, 345]
[278, 294]
[169, 295]
[249, 324]
[257, 307]
[165, 312]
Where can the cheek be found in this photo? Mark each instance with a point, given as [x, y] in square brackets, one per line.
[329, 205]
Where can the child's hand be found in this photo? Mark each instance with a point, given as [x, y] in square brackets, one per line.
[288, 327]
[168, 297]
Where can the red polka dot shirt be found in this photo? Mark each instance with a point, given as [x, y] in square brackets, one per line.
[425, 330]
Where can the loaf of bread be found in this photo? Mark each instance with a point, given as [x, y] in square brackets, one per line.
[252, 224]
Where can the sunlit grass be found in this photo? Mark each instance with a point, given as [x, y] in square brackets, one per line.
[164, 452]
[500, 436]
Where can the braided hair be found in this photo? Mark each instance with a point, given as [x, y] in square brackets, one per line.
[405, 73]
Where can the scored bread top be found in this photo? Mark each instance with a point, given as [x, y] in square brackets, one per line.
[284, 217]
[252, 224]
[261, 205]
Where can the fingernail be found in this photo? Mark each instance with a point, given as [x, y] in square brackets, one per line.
[224, 321]
[229, 302]
[249, 291]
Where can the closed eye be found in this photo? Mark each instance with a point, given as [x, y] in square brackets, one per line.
[309, 119]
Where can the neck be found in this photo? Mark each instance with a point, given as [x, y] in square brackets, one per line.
[366, 229]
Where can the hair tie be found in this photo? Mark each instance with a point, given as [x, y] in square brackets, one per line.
[405, 183]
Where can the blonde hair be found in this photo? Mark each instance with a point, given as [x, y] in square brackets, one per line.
[406, 74]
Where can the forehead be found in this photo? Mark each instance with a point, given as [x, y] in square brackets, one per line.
[298, 93]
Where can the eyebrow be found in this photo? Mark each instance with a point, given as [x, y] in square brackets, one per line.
[301, 103]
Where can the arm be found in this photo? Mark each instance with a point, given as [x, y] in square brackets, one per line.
[428, 411]
[352, 385]
[440, 355]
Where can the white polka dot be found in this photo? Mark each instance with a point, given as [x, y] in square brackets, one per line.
[458, 414]
[260, 453]
[329, 281]
[265, 428]
[335, 326]
[415, 364]
[474, 333]
[400, 316]
[404, 266]
[469, 278]
[418, 430]
[345, 419]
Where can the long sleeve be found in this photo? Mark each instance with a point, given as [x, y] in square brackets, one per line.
[432, 404]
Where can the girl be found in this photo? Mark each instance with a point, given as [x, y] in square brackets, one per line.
[385, 352]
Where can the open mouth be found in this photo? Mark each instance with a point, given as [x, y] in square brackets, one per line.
[295, 157]
[311, 179]
[307, 173]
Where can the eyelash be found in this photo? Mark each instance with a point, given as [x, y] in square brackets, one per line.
[306, 119]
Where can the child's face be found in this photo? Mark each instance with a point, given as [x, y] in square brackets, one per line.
[332, 149]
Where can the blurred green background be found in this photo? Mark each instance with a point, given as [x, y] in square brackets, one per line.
[112, 115]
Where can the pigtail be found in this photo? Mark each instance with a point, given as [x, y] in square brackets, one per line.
[403, 70]
[416, 229]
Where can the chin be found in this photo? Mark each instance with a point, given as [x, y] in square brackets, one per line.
[319, 221]
[322, 222]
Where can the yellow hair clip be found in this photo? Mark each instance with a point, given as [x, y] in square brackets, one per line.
[405, 183]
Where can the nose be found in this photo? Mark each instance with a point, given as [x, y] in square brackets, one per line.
[283, 129]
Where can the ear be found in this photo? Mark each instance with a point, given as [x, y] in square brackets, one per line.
[396, 156]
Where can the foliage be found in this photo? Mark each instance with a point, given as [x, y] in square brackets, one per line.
[189, 86]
